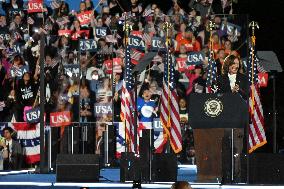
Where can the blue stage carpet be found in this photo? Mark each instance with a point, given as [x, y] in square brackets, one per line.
[110, 176]
[188, 174]
[111, 181]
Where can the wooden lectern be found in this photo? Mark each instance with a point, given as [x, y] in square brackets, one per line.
[218, 121]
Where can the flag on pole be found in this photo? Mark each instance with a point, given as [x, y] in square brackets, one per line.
[128, 102]
[257, 136]
[169, 106]
[136, 56]
[211, 74]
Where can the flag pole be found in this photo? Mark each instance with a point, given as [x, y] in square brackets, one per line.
[42, 102]
[127, 28]
[211, 52]
[253, 25]
[167, 26]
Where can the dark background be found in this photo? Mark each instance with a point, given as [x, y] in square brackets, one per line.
[269, 37]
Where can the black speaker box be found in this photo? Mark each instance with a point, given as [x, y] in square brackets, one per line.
[129, 167]
[77, 168]
[266, 168]
[146, 152]
[164, 167]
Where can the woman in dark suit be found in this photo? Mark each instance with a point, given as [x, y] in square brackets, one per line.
[232, 80]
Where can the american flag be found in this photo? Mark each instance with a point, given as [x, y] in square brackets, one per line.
[257, 136]
[29, 137]
[211, 74]
[128, 102]
[62, 20]
[260, 68]
[147, 38]
[169, 106]
[30, 21]
[148, 12]
[136, 56]
[55, 4]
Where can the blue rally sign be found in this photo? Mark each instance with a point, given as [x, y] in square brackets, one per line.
[157, 125]
[33, 115]
[195, 58]
[136, 43]
[88, 45]
[158, 44]
[101, 32]
[19, 72]
[101, 109]
[72, 70]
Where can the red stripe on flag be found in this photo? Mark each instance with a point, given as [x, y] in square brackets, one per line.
[33, 158]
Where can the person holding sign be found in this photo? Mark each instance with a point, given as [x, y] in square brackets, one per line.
[25, 93]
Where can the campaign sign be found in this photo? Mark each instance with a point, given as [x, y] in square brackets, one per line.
[231, 28]
[72, 70]
[13, 12]
[85, 17]
[19, 72]
[84, 34]
[58, 119]
[195, 58]
[33, 115]
[17, 47]
[101, 32]
[64, 32]
[157, 125]
[181, 62]
[35, 6]
[5, 35]
[263, 79]
[101, 109]
[88, 45]
[136, 42]
[158, 44]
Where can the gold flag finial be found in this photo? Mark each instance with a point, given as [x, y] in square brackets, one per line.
[253, 25]
[167, 26]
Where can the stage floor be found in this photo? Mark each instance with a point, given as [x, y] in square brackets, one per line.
[110, 179]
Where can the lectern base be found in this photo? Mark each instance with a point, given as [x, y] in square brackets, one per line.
[208, 145]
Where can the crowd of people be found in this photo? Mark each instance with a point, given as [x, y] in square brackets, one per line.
[99, 81]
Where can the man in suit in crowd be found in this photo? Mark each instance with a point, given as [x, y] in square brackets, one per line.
[14, 159]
